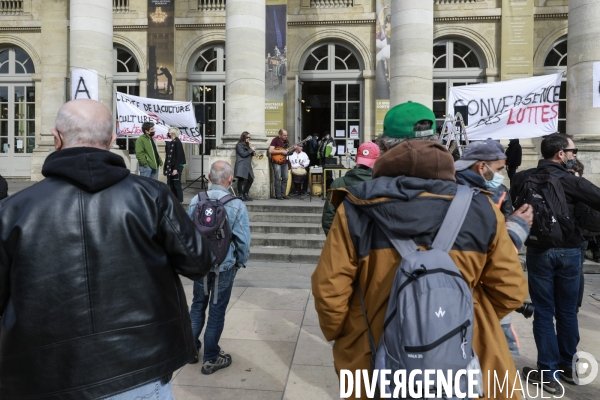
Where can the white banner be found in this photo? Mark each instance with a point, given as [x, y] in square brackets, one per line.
[134, 111]
[596, 84]
[515, 109]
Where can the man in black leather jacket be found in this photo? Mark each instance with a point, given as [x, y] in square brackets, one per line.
[90, 298]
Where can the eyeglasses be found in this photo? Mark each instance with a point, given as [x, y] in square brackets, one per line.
[572, 150]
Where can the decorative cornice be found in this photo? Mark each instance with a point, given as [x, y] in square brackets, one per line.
[130, 27]
[473, 18]
[331, 23]
[553, 16]
[37, 29]
[199, 26]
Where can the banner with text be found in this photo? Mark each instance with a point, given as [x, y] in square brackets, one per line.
[383, 37]
[519, 108]
[134, 111]
[275, 66]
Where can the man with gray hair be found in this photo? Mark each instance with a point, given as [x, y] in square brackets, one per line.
[90, 297]
[216, 287]
[406, 121]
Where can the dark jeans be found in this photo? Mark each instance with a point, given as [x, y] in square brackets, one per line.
[174, 183]
[216, 312]
[240, 185]
[511, 172]
[584, 246]
[280, 176]
[553, 277]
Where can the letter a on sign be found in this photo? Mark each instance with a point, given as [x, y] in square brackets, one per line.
[84, 84]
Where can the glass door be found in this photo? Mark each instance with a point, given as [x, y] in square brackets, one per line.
[17, 129]
[346, 121]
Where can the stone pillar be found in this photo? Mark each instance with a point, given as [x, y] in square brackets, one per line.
[50, 91]
[245, 87]
[582, 119]
[411, 75]
[91, 42]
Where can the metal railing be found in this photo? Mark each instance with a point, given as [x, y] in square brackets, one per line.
[11, 7]
[120, 6]
[331, 3]
[211, 5]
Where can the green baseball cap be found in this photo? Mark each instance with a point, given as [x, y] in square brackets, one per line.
[400, 120]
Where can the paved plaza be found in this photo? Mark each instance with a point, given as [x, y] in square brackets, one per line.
[278, 350]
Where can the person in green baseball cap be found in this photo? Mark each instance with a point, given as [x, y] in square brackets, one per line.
[406, 121]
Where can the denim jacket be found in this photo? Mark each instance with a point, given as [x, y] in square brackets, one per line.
[239, 225]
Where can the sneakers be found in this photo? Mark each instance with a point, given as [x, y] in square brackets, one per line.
[536, 378]
[567, 375]
[222, 361]
[194, 360]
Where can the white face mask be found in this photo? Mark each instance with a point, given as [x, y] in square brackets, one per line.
[496, 181]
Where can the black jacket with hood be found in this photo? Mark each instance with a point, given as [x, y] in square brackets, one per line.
[90, 298]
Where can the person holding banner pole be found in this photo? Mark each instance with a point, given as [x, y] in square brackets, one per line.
[147, 153]
[174, 162]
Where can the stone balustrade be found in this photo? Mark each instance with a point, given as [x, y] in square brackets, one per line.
[120, 6]
[211, 5]
[331, 3]
[13, 7]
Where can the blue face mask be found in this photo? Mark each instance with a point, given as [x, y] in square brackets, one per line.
[496, 181]
[570, 164]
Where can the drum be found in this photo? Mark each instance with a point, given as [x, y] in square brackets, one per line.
[298, 175]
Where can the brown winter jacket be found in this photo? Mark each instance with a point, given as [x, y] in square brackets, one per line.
[359, 251]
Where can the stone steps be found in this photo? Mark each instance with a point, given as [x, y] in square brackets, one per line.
[285, 207]
[285, 218]
[286, 228]
[294, 241]
[284, 254]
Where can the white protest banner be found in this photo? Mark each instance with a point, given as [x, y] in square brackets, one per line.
[515, 109]
[596, 84]
[84, 84]
[134, 111]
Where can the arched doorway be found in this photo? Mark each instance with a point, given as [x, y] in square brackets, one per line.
[555, 62]
[455, 63]
[125, 80]
[330, 94]
[207, 87]
[17, 112]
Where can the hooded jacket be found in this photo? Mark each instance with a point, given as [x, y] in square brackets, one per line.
[90, 297]
[357, 250]
[144, 152]
[352, 177]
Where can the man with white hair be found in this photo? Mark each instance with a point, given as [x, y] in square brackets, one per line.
[91, 304]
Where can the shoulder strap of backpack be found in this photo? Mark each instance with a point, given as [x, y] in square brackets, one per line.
[227, 198]
[371, 340]
[454, 219]
[202, 196]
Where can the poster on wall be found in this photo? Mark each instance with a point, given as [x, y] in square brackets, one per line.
[596, 84]
[161, 49]
[275, 65]
[514, 109]
[134, 111]
[383, 38]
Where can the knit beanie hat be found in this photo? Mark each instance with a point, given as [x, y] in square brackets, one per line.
[399, 122]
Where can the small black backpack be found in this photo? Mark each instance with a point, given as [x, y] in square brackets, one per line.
[210, 218]
[552, 226]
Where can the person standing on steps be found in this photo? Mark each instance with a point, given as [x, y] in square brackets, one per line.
[280, 170]
[174, 162]
[243, 166]
[147, 153]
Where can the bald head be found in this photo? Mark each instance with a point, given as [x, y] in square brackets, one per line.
[221, 173]
[83, 123]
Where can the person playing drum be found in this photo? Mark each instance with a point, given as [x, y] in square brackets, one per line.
[299, 161]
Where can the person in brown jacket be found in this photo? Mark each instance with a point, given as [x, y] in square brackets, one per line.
[411, 191]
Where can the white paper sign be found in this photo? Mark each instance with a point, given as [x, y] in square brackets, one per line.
[519, 108]
[596, 84]
[84, 84]
[340, 133]
[19, 144]
[340, 149]
[134, 111]
[354, 131]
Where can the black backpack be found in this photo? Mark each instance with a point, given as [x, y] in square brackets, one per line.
[210, 218]
[552, 226]
[587, 219]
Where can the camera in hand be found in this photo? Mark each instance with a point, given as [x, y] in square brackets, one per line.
[526, 309]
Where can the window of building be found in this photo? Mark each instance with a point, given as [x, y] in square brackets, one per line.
[331, 57]
[125, 80]
[455, 63]
[556, 61]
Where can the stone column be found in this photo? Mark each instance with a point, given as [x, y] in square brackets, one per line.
[582, 119]
[91, 42]
[411, 75]
[50, 91]
[245, 87]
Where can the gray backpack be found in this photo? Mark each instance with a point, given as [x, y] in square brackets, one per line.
[429, 319]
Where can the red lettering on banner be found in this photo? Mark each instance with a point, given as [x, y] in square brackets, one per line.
[546, 114]
[545, 111]
[554, 110]
[520, 115]
[510, 120]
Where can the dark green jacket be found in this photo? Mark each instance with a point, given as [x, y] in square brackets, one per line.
[144, 153]
[352, 177]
